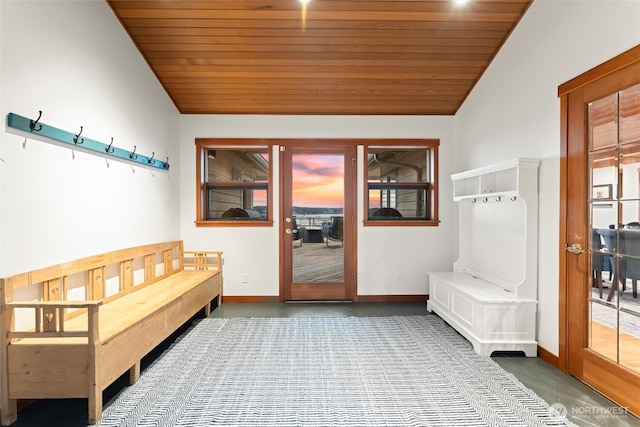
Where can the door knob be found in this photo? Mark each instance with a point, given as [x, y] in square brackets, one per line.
[575, 248]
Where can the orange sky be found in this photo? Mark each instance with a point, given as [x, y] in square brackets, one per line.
[318, 181]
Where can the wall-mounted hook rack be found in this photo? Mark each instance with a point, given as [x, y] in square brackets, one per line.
[35, 127]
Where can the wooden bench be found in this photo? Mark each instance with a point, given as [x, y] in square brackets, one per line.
[70, 330]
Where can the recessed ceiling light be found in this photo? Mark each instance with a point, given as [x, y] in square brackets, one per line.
[304, 13]
[457, 2]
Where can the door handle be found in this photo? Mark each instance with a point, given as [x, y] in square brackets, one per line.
[290, 231]
[575, 248]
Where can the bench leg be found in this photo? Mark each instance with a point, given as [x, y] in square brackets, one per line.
[95, 407]
[8, 407]
[207, 309]
[134, 373]
[8, 411]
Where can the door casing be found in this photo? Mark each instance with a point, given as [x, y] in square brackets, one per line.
[349, 149]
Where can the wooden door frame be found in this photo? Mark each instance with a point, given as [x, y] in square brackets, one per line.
[350, 197]
[573, 129]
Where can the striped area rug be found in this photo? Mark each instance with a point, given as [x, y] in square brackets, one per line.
[356, 371]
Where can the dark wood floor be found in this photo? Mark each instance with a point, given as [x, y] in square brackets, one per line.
[585, 407]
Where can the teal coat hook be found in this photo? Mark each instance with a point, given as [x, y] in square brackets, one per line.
[75, 141]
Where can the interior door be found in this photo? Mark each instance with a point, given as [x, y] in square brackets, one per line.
[317, 222]
[602, 226]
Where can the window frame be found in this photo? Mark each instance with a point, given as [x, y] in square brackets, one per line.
[431, 146]
[202, 185]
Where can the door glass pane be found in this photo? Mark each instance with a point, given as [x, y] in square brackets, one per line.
[627, 296]
[604, 177]
[630, 174]
[603, 219]
[604, 329]
[318, 209]
[603, 122]
[630, 333]
[614, 247]
[630, 114]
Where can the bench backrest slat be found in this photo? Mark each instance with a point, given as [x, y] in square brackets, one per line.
[100, 278]
[93, 262]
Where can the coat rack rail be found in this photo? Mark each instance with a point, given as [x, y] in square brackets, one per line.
[76, 140]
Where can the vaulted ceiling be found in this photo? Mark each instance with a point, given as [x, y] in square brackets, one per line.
[395, 57]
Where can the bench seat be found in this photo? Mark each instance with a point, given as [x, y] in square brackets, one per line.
[475, 288]
[126, 311]
[490, 317]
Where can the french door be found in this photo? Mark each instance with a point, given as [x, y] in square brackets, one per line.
[601, 120]
[317, 224]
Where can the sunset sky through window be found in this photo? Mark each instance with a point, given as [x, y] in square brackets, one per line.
[318, 181]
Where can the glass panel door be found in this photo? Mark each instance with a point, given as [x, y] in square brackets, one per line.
[318, 256]
[614, 206]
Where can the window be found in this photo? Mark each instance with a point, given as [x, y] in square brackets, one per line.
[401, 184]
[234, 184]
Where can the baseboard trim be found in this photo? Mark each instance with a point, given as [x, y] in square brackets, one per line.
[549, 357]
[249, 299]
[361, 298]
[393, 298]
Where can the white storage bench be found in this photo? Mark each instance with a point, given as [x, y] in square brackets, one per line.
[490, 297]
[484, 313]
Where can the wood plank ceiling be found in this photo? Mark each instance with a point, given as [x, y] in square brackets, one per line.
[395, 57]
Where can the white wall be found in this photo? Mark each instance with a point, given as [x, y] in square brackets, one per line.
[384, 253]
[514, 110]
[73, 61]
